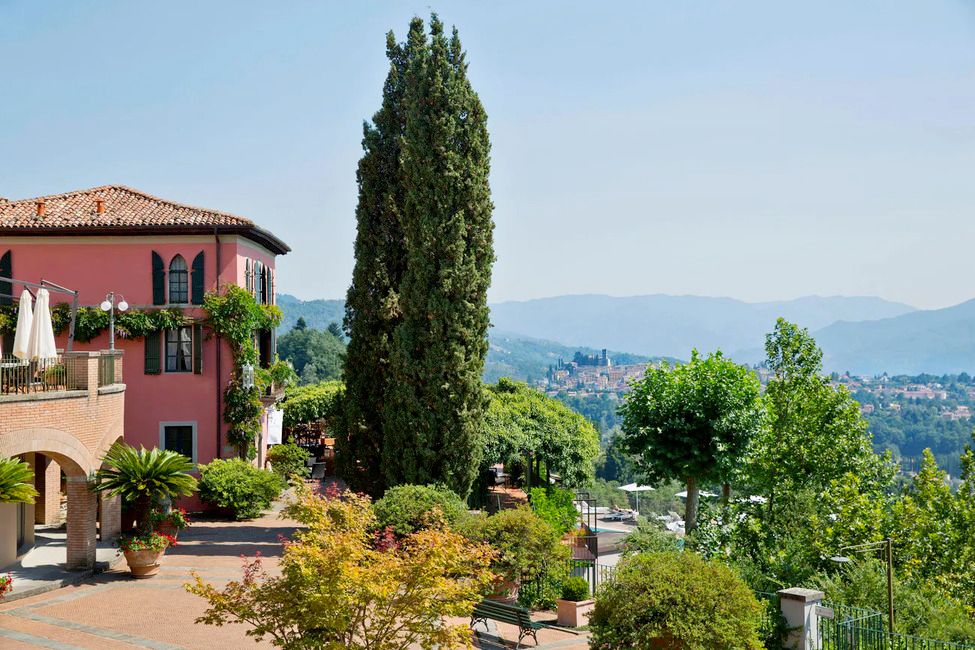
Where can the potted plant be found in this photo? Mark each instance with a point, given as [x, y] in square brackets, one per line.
[144, 478]
[143, 551]
[575, 605]
[169, 523]
[6, 585]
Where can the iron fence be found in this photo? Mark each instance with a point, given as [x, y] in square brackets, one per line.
[854, 628]
[23, 377]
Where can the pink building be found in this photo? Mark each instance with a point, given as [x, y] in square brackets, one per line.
[155, 253]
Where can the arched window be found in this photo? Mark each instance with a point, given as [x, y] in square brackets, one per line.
[179, 281]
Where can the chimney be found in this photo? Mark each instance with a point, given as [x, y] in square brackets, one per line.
[40, 208]
[100, 205]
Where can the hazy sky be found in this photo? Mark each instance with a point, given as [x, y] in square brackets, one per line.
[758, 150]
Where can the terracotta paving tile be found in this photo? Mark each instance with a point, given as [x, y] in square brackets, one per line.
[55, 633]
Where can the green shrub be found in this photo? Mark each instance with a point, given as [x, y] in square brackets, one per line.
[675, 600]
[527, 546]
[288, 460]
[405, 508]
[555, 506]
[239, 487]
[649, 538]
[311, 403]
[575, 588]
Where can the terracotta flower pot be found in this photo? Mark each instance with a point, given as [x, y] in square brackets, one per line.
[506, 591]
[574, 613]
[143, 564]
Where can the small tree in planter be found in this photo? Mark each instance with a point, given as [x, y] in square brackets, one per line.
[143, 551]
[144, 478]
[575, 605]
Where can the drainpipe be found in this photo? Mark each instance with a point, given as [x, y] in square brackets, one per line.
[216, 239]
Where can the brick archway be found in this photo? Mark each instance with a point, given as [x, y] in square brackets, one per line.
[78, 463]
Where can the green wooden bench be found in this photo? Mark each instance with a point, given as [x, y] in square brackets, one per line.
[505, 613]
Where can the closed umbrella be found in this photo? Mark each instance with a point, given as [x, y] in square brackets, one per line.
[41, 345]
[25, 316]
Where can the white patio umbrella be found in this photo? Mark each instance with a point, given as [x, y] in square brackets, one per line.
[41, 344]
[25, 316]
[633, 488]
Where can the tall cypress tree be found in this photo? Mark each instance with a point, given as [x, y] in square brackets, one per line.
[372, 304]
[435, 403]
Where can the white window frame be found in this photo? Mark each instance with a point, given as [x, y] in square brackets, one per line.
[162, 434]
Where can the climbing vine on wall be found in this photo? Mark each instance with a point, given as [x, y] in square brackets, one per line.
[235, 316]
[92, 321]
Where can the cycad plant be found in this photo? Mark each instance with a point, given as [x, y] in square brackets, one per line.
[143, 477]
[16, 481]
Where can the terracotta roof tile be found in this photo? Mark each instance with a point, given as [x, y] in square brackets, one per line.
[124, 208]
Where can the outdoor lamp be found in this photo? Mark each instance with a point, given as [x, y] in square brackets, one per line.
[110, 306]
[247, 376]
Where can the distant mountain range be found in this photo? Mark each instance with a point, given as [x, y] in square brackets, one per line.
[864, 335]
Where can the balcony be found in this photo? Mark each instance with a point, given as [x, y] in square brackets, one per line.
[70, 372]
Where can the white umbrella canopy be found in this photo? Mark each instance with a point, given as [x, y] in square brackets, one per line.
[41, 344]
[25, 317]
[633, 487]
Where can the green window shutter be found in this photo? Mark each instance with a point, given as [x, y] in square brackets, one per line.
[158, 280]
[197, 280]
[153, 366]
[6, 272]
[198, 348]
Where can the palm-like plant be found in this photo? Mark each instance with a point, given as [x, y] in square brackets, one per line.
[143, 477]
[16, 481]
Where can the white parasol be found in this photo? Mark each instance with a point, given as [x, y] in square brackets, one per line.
[25, 316]
[41, 344]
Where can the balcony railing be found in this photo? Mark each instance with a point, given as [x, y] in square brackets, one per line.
[68, 371]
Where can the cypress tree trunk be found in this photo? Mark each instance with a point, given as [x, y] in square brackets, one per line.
[434, 414]
[372, 304]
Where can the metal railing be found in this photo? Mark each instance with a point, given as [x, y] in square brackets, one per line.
[24, 377]
[854, 628]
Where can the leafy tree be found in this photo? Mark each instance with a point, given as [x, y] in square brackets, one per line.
[313, 353]
[322, 401]
[143, 477]
[335, 330]
[674, 600]
[691, 422]
[435, 406]
[556, 507]
[300, 324]
[372, 309]
[342, 587]
[525, 424]
[405, 509]
[814, 433]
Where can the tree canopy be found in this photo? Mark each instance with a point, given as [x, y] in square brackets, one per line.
[525, 425]
[691, 422]
[316, 355]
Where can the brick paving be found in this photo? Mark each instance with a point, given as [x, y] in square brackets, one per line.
[111, 611]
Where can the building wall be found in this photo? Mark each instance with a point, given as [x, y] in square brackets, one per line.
[94, 266]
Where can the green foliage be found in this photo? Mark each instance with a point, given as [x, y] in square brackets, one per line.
[649, 538]
[575, 588]
[691, 422]
[311, 403]
[16, 481]
[288, 460]
[145, 475]
[407, 508]
[523, 423]
[239, 487]
[92, 321]
[608, 494]
[313, 352]
[527, 546]
[556, 507]
[814, 433]
[144, 541]
[236, 316]
[434, 409]
[920, 609]
[674, 600]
